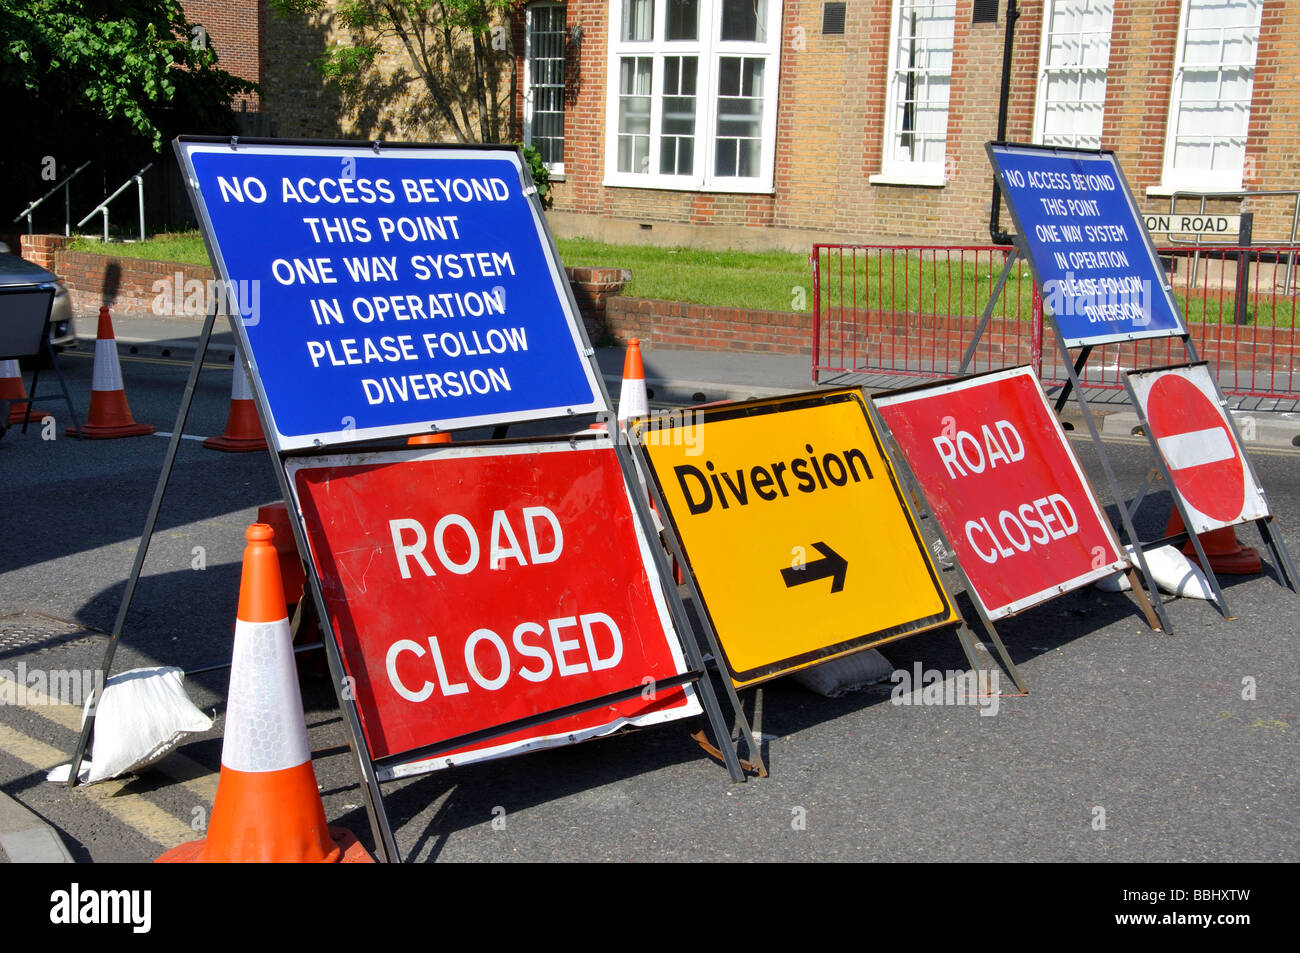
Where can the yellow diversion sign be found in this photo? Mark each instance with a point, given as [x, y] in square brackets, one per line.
[794, 527]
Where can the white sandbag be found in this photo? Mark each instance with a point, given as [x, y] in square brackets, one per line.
[143, 714]
[843, 675]
[1172, 571]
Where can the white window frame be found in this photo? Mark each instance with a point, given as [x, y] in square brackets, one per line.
[710, 49]
[1201, 180]
[555, 168]
[1045, 69]
[894, 171]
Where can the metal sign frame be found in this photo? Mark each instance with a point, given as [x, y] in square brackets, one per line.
[347, 431]
[1165, 290]
[368, 775]
[1075, 367]
[661, 424]
[1271, 536]
[953, 385]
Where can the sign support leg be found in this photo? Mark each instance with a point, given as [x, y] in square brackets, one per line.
[1156, 602]
[1281, 558]
[63, 387]
[964, 632]
[689, 644]
[142, 550]
[1012, 258]
[1069, 384]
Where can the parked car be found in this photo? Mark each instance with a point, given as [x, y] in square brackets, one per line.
[16, 272]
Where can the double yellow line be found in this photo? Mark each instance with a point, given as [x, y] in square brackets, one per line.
[135, 811]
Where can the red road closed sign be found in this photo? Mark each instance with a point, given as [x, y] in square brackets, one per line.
[1190, 431]
[469, 587]
[1005, 486]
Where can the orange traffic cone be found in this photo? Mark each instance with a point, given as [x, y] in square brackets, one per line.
[243, 431]
[428, 438]
[110, 416]
[1226, 554]
[632, 398]
[12, 389]
[268, 808]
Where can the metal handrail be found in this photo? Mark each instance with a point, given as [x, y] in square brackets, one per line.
[1198, 242]
[67, 202]
[103, 206]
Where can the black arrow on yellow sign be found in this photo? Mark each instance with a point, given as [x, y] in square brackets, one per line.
[832, 566]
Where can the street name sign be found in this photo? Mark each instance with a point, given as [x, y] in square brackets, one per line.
[1190, 430]
[469, 587]
[1087, 244]
[793, 525]
[1194, 223]
[1005, 485]
[384, 290]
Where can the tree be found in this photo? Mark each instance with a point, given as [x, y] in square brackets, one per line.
[458, 50]
[131, 63]
[110, 80]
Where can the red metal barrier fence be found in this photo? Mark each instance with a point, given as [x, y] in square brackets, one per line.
[912, 311]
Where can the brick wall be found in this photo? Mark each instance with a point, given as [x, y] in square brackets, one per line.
[234, 29]
[42, 249]
[133, 285]
[697, 327]
[830, 127]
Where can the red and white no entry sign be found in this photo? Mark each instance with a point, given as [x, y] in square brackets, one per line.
[1191, 432]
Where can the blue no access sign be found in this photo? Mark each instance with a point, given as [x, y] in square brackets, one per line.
[389, 290]
[1087, 244]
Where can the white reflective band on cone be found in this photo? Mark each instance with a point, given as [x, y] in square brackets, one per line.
[632, 400]
[264, 720]
[240, 389]
[8, 369]
[108, 373]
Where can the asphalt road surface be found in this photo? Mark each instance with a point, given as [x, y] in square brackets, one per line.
[1132, 745]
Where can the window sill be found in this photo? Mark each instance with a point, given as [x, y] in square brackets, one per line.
[914, 181]
[1167, 191]
[660, 185]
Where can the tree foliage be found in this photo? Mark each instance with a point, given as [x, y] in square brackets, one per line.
[134, 64]
[108, 80]
[459, 51]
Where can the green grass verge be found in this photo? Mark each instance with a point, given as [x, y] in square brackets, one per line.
[782, 281]
[184, 247]
[769, 281]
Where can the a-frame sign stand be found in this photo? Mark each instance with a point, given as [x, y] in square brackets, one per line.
[1079, 229]
[1152, 608]
[246, 190]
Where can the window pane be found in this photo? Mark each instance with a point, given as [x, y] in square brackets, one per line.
[1073, 87]
[634, 113]
[1217, 77]
[683, 19]
[744, 20]
[740, 116]
[638, 19]
[921, 69]
[677, 124]
[546, 39]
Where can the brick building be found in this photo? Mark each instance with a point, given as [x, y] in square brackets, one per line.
[781, 122]
[775, 123]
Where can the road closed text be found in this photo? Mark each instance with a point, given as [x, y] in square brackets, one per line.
[533, 650]
[1017, 528]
